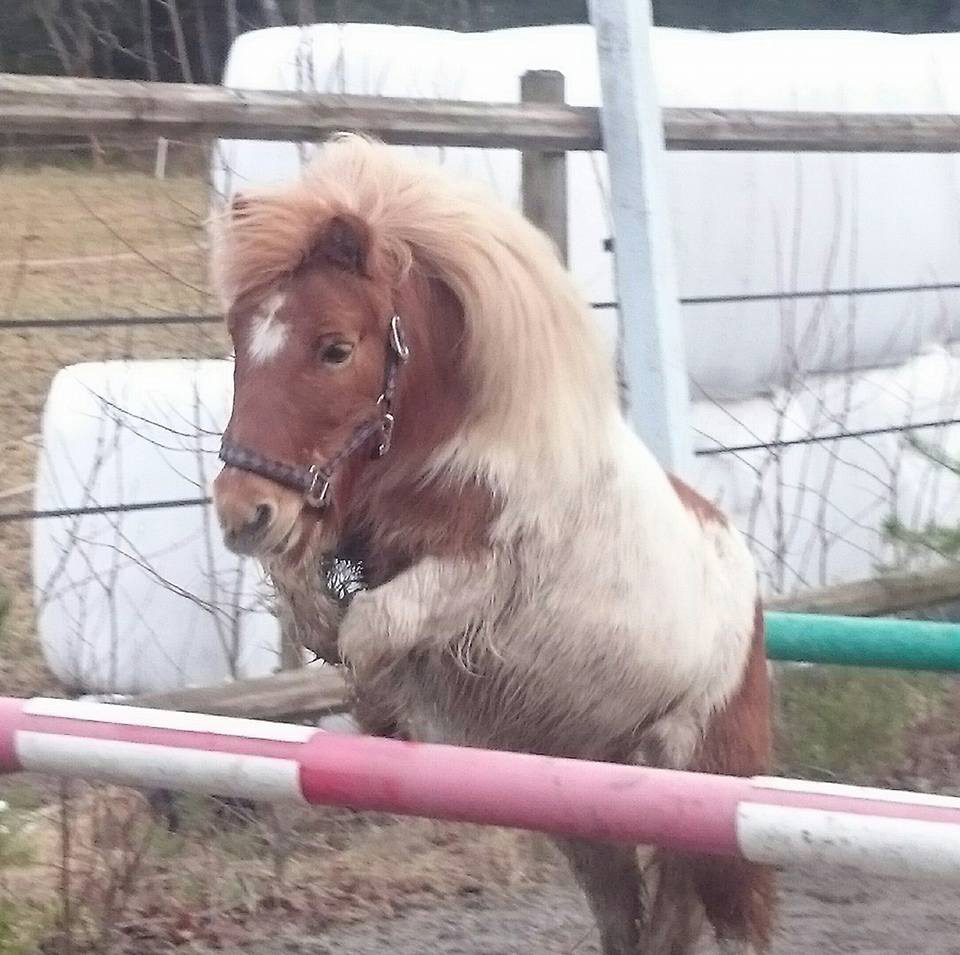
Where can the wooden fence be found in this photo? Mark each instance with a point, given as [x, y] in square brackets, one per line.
[542, 126]
[44, 104]
[544, 129]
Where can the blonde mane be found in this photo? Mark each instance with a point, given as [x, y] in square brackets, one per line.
[541, 373]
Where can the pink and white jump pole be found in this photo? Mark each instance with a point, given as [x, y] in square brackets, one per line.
[777, 821]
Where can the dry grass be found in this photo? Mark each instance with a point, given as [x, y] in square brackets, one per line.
[135, 887]
[77, 243]
[143, 239]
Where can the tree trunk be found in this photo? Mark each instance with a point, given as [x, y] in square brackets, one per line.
[306, 12]
[233, 23]
[271, 13]
[176, 24]
[146, 26]
[83, 34]
[203, 40]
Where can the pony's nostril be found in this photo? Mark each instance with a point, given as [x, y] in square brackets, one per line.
[262, 518]
[245, 529]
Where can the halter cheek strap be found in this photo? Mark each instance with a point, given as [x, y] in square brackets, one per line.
[314, 480]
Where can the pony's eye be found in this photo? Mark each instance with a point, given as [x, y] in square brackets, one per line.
[336, 353]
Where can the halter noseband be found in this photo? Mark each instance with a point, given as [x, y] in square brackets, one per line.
[314, 481]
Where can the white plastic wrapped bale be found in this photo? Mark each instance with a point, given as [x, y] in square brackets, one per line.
[869, 481]
[143, 600]
[819, 513]
[745, 222]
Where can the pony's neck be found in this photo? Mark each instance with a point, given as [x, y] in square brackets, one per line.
[403, 508]
[468, 469]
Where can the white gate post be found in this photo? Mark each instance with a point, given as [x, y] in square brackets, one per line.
[651, 333]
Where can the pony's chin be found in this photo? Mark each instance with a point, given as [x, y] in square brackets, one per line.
[288, 542]
[277, 544]
[306, 538]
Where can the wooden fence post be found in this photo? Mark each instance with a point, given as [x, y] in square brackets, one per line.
[543, 175]
[160, 163]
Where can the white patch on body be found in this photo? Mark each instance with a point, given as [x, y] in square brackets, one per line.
[269, 333]
[657, 605]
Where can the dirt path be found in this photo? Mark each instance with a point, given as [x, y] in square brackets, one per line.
[822, 914]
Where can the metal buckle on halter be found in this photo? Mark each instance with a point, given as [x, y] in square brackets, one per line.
[386, 434]
[316, 495]
[397, 342]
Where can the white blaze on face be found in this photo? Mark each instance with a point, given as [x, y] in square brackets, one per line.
[269, 333]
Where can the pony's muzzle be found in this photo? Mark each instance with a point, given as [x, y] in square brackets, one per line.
[254, 518]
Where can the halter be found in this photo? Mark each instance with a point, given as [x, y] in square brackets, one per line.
[314, 481]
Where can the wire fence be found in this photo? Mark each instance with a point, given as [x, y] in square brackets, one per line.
[33, 515]
[822, 450]
[25, 324]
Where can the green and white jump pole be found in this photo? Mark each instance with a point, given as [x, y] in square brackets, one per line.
[863, 641]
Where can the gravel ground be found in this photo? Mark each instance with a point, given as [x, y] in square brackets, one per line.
[828, 913]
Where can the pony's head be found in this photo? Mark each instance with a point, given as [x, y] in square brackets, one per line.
[397, 335]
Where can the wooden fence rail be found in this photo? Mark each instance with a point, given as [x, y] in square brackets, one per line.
[69, 105]
[305, 693]
[878, 596]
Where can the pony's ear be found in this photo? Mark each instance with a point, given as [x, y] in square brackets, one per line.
[345, 243]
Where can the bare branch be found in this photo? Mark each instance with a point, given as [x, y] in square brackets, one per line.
[46, 15]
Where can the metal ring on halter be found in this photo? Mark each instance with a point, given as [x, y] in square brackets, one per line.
[386, 434]
[316, 495]
[397, 342]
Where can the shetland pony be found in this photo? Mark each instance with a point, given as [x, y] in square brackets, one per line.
[419, 387]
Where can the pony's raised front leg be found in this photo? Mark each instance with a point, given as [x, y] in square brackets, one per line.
[610, 878]
[425, 604]
[429, 601]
